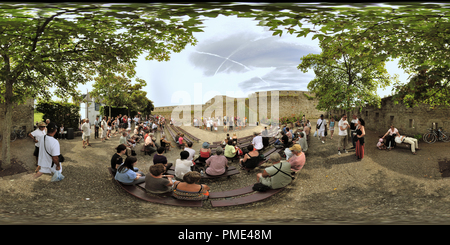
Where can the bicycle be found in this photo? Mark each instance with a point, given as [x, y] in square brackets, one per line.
[436, 134]
[20, 133]
[16, 133]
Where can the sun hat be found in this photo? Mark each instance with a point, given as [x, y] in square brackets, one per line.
[205, 145]
[296, 147]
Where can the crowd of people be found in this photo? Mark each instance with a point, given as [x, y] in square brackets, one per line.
[229, 123]
[191, 165]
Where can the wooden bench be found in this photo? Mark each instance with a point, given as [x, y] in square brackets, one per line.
[188, 134]
[231, 193]
[141, 193]
[255, 197]
[230, 172]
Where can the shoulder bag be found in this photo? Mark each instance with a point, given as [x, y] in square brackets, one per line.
[61, 158]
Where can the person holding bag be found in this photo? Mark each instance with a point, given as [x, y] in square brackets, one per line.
[49, 160]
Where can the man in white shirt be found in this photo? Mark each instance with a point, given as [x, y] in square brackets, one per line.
[412, 141]
[190, 150]
[36, 135]
[257, 141]
[321, 123]
[343, 138]
[86, 129]
[49, 151]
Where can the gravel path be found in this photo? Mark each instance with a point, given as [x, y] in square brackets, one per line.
[384, 188]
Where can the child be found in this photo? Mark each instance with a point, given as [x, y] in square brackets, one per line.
[380, 144]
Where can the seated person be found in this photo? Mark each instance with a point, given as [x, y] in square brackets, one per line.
[251, 159]
[123, 141]
[302, 141]
[160, 158]
[189, 189]
[127, 174]
[164, 142]
[285, 140]
[149, 145]
[380, 144]
[205, 153]
[297, 160]
[276, 176]
[217, 164]
[257, 141]
[230, 149]
[181, 142]
[117, 159]
[409, 140]
[182, 165]
[156, 182]
[234, 138]
[191, 151]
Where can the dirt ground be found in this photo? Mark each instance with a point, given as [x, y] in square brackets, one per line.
[386, 187]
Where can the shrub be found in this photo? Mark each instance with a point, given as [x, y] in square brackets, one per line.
[60, 113]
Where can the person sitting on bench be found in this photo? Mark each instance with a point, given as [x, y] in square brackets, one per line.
[217, 164]
[230, 150]
[251, 159]
[205, 153]
[189, 189]
[409, 140]
[278, 175]
[127, 174]
[157, 182]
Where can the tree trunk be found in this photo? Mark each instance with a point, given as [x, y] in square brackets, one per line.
[7, 116]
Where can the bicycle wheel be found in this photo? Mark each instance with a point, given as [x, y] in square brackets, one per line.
[445, 136]
[429, 138]
[13, 136]
[21, 134]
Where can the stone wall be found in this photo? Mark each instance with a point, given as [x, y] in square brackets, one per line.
[409, 121]
[290, 103]
[22, 116]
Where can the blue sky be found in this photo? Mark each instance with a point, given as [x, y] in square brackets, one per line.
[233, 57]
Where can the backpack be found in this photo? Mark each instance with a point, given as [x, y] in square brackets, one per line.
[260, 187]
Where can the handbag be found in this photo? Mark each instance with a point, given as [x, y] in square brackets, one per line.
[61, 157]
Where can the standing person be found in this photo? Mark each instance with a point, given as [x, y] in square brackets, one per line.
[96, 127]
[353, 126]
[360, 132]
[86, 128]
[331, 127]
[343, 137]
[36, 135]
[306, 130]
[321, 125]
[104, 127]
[49, 151]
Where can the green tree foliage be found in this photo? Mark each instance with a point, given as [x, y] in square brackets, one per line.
[416, 33]
[60, 113]
[344, 76]
[62, 45]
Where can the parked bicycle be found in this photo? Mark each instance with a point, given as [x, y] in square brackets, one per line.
[434, 135]
[15, 134]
